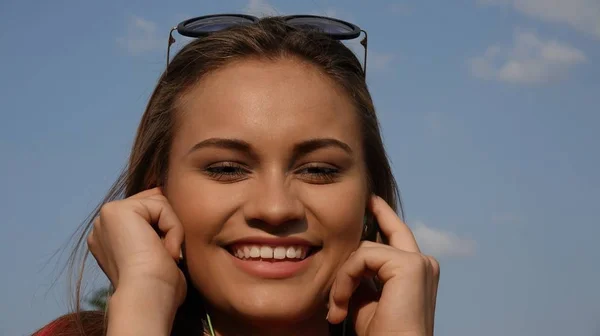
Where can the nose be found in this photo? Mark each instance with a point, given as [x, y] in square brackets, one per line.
[274, 202]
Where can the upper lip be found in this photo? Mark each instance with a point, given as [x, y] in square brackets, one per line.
[272, 241]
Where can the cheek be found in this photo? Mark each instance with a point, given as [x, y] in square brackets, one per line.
[201, 207]
[338, 211]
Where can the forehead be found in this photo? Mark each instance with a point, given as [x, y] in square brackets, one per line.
[267, 101]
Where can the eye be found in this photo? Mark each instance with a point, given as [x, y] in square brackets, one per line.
[226, 171]
[319, 173]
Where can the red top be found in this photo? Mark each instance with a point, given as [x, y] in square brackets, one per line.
[51, 328]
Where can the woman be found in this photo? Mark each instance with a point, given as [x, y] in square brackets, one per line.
[256, 201]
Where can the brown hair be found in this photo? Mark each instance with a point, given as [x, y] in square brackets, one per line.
[269, 39]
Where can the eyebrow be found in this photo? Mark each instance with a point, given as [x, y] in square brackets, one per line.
[312, 145]
[233, 144]
[300, 149]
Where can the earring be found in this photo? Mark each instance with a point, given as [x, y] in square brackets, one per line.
[365, 227]
[181, 253]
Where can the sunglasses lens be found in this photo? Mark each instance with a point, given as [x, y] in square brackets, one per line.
[324, 25]
[213, 24]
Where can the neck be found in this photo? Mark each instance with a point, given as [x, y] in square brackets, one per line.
[227, 325]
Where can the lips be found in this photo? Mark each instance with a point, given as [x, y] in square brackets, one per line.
[272, 258]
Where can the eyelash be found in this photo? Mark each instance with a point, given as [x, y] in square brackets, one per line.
[228, 170]
[320, 173]
[232, 171]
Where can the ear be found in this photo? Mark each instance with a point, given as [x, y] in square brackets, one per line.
[370, 227]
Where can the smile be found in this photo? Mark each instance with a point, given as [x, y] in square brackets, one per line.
[277, 258]
[272, 253]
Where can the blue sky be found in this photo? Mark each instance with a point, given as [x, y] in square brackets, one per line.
[489, 111]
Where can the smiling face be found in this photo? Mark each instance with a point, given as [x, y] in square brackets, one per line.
[266, 150]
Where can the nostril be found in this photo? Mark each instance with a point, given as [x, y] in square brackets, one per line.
[269, 209]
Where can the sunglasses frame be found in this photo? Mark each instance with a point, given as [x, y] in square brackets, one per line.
[355, 31]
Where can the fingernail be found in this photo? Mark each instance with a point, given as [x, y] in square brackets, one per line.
[327, 317]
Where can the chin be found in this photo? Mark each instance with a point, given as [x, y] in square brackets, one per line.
[277, 306]
[272, 302]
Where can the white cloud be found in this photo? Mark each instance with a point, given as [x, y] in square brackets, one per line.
[379, 61]
[260, 8]
[530, 60]
[583, 15]
[440, 243]
[142, 36]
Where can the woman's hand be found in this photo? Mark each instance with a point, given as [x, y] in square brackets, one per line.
[136, 242]
[406, 304]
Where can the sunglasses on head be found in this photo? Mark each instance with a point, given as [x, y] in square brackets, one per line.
[205, 25]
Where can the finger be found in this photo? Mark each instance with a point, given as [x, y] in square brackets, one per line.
[432, 282]
[435, 266]
[173, 240]
[98, 255]
[147, 193]
[427, 295]
[365, 262]
[396, 231]
[156, 209]
[362, 307]
[180, 253]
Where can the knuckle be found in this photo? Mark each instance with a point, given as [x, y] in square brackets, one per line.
[159, 197]
[367, 243]
[376, 210]
[96, 224]
[435, 266]
[94, 249]
[91, 242]
[418, 264]
[360, 253]
[156, 198]
[108, 210]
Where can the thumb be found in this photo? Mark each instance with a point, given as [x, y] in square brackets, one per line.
[363, 305]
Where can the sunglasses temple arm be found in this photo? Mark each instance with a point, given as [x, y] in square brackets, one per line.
[171, 41]
[364, 43]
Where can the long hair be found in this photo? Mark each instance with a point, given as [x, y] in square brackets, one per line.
[271, 39]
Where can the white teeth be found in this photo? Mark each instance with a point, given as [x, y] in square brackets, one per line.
[290, 252]
[266, 252]
[270, 252]
[279, 252]
[300, 253]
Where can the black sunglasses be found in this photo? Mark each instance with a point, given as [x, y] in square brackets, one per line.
[205, 25]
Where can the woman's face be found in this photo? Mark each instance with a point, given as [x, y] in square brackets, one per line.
[268, 179]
